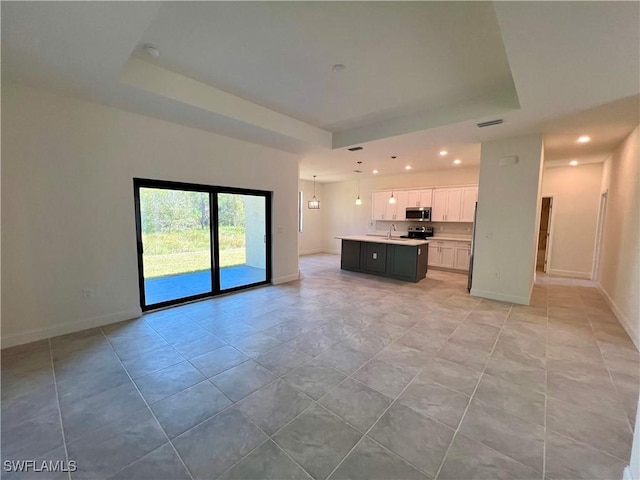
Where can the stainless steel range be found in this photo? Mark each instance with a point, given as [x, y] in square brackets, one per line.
[418, 232]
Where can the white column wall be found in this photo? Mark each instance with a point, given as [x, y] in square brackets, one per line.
[508, 219]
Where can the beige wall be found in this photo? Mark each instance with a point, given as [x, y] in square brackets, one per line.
[507, 219]
[310, 239]
[343, 217]
[620, 257]
[68, 213]
[576, 197]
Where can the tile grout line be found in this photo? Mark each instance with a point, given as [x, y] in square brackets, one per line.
[55, 384]
[150, 411]
[393, 402]
[471, 397]
[615, 387]
[268, 439]
[546, 388]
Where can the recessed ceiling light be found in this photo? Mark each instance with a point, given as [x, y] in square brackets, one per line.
[408, 167]
[457, 161]
[573, 163]
[338, 67]
[375, 172]
[584, 139]
[443, 152]
[151, 50]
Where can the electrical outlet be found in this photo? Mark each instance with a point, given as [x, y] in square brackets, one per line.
[87, 293]
[442, 228]
[497, 274]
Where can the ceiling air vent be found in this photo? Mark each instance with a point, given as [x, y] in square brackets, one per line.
[490, 122]
[354, 149]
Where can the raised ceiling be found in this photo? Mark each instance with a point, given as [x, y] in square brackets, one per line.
[418, 76]
[400, 57]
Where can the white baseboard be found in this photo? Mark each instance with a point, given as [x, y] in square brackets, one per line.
[622, 318]
[569, 273]
[13, 339]
[334, 252]
[286, 279]
[310, 252]
[500, 297]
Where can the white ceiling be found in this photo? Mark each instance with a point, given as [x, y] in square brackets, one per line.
[418, 77]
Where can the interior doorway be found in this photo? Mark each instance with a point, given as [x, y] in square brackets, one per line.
[602, 211]
[544, 236]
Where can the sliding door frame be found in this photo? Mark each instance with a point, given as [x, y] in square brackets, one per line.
[213, 191]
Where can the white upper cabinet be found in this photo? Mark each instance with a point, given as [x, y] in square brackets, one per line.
[398, 210]
[448, 204]
[419, 198]
[454, 204]
[379, 205]
[383, 210]
[439, 205]
[469, 199]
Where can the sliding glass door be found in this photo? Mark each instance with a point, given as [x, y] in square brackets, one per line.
[241, 239]
[186, 253]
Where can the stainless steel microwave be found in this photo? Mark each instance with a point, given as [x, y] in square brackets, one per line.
[419, 214]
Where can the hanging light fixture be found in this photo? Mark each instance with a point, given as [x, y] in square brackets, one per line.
[314, 203]
[358, 201]
[392, 199]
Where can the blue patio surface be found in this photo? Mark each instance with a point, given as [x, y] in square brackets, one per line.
[171, 287]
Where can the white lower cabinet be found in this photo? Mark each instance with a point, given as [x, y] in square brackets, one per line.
[463, 252]
[449, 254]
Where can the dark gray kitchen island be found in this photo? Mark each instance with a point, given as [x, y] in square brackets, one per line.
[403, 259]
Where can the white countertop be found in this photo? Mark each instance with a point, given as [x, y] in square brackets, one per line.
[450, 239]
[376, 239]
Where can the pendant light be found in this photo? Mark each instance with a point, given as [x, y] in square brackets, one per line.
[392, 199]
[358, 201]
[314, 203]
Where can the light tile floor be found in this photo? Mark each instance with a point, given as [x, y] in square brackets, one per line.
[340, 375]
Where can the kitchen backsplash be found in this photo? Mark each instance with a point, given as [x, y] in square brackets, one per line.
[455, 229]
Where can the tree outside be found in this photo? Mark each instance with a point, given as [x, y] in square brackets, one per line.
[176, 234]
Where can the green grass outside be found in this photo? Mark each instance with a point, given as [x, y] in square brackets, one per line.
[188, 251]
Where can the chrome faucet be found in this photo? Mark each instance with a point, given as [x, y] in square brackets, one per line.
[391, 227]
